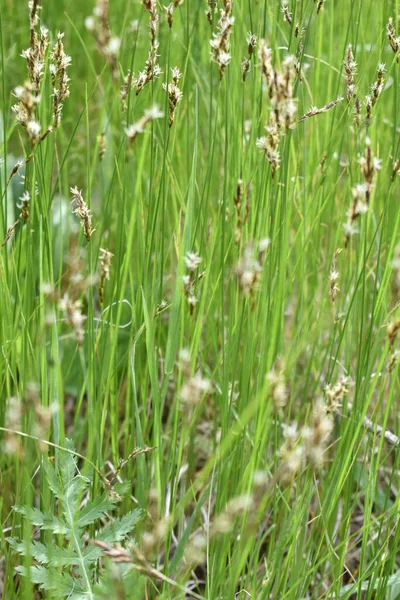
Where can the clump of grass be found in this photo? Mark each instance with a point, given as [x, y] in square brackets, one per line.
[228, 374]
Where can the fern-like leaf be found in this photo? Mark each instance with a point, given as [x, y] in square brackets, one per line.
[117, 530]
[94, 510]
[45, 521]
[68, 568]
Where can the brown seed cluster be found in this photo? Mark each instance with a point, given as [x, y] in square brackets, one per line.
[396, 168]
[334, 276]
[136, 128]
[376, 90]
[350, 69]
[152, 69]
[393, 40]
[250, 266]
[361, 193]
[283, 105]
[28, 95]
[74, 318]
[251, 46]
[317, 111]
[306, 445]
[170, 9]
[220, 42]
[211, 10]
[288, 16]
[277, 386]
[335, 393]
[105, 262]
[18, 410]
[23, 206]
[191, 278]
[25, 111]
[107, 44]
[35, 55]
[241, 215]
[81, 209]
[175, 94]
[59, 78]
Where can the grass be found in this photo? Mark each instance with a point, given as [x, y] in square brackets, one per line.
[159, 453]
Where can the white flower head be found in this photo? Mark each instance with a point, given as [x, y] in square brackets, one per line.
[192, 261]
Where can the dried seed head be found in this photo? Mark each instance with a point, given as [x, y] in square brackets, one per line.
[392, 331]
[23, 206]
[102, 145]
[211, 10]
[265, 58]
[175, 95]
[193, 391]
[291, 454]
[105, 261]
[220, 42]
[13, 421]
[192, 262]
[277, 388]
[350, 68]
[25, 111]
[248, 270]
[170, 9]
[152, 69]
[58, 71]
[396, 168]
[282, 116]
[136, 128]
[246, 61]
[334, 277]
[317, 434]
[357, 112]
[74, 317]
[393, 40]
[317, 111]
[335, 394]
[361, 192]
[195, 550]
[126, 87]
[368, 110]
[377, 87]
[251, 43]
[286, 14]
[108, 46]
[81, 209]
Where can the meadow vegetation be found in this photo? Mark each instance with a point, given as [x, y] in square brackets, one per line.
[199, 299]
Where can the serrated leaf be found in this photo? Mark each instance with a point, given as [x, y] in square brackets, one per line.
[91, 554]
[68, 464]
[52, 479]
[74, 491]
[95, 509]
[117, 530]
[123, 488]
[46, 555]
[45, 521]
[39, 552]
[51, 580]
